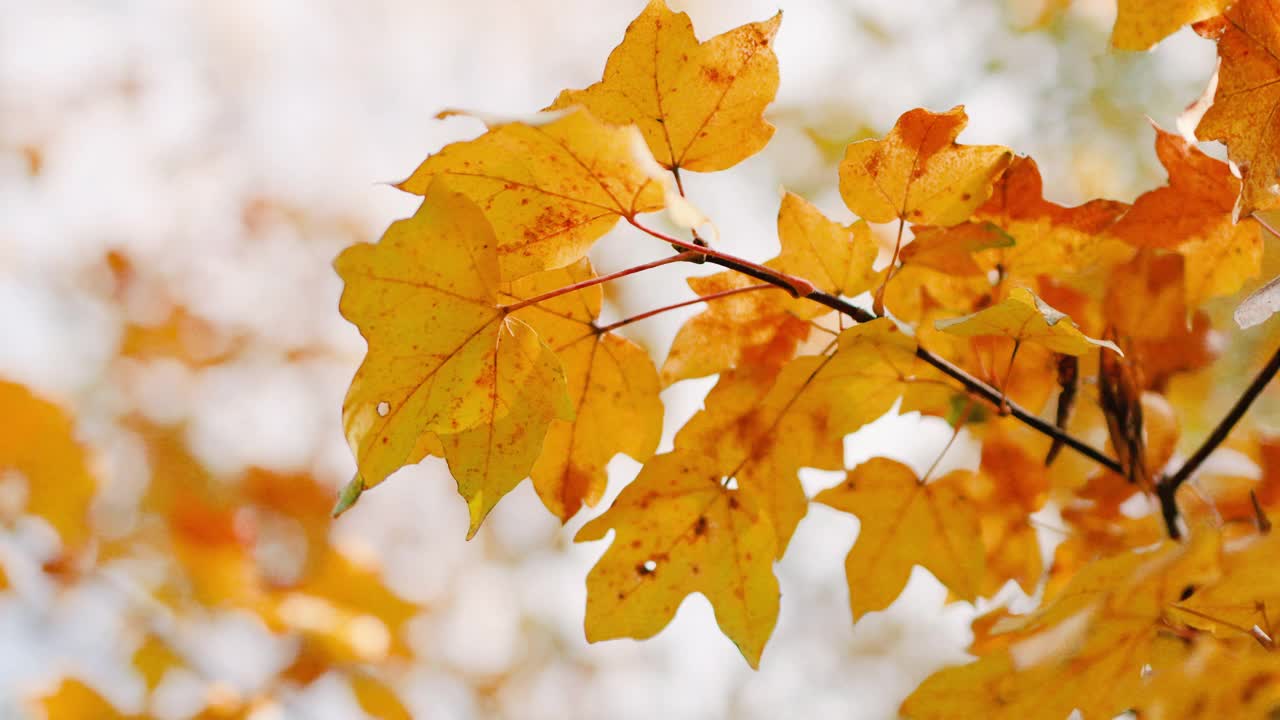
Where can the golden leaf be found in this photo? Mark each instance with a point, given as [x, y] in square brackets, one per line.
[679, 530]
[1140, 24]
[918, 172]
[612, 384]
[699, 105]
[444, 357]
[1246, 107]
[1193, 215]
[549, 189]
[1026, 318]
[903, 523]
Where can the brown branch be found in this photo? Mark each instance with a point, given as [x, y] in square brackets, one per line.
[1168, 486]
[971, 384]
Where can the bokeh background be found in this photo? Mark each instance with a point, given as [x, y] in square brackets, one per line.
[176, 177]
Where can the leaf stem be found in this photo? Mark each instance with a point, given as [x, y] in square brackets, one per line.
[1008, 378]
[1168, 486]
[877, 305]
[686, 303]
[1274, 233]
[682, 257]
[964, 418]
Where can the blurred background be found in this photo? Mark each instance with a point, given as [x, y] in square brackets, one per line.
[175, 180]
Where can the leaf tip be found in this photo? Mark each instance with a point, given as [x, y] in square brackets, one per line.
[350, 494]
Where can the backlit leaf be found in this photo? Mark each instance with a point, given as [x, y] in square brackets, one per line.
[1140, 24]
[612, 385]
[444, 358]
[1024, 317]
[836, 258]
[679, 530]
[757, 328]
[549, 189]
[699, 105]
[903, 523]
[918, 172]
[1193, 215]
[1246, 107]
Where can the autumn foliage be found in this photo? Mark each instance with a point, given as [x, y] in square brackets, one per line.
[1071, 344]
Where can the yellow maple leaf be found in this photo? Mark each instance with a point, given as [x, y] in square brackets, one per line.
[1086, 649]
[759, 328]
[1026, 318]
[918, 173]
[679, 530]
[760, 426]
[444, 357]
[836, 258]
[1140, 24]
[1044, 238]
[612, 384]
[38, 444]
[1193, 215]
[1246, 106]
[1010, 485]
[699, 105]
[903, 523]
[550, 189]
[750, 433]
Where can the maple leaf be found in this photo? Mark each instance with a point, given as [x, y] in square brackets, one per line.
[698, 105]
[902, 523]
[38, 443]
[749, 328]
[918, 172]
[1247, 595]
[1047, 238]
[1010, 485]
[1246, 106]
[761, 426]
[679, 530]
[612, 384]
[1084, 650]
[951, 250]
[1140, 24]
[549, 189]
[444, 357]
[836, 258]
[1193, 215]
[1024, 317]
[764, 328]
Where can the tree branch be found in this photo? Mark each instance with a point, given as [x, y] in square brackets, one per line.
[1168, 486]
[971, 384]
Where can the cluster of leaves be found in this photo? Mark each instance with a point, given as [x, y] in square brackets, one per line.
[1070, 342]
[484, 348]
[194, 548]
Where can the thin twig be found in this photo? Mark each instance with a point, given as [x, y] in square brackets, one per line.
[686, 303]
[682, 257]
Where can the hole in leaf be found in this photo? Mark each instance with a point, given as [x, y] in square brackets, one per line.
[384, 408]
[730, 483]
[647, 567]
